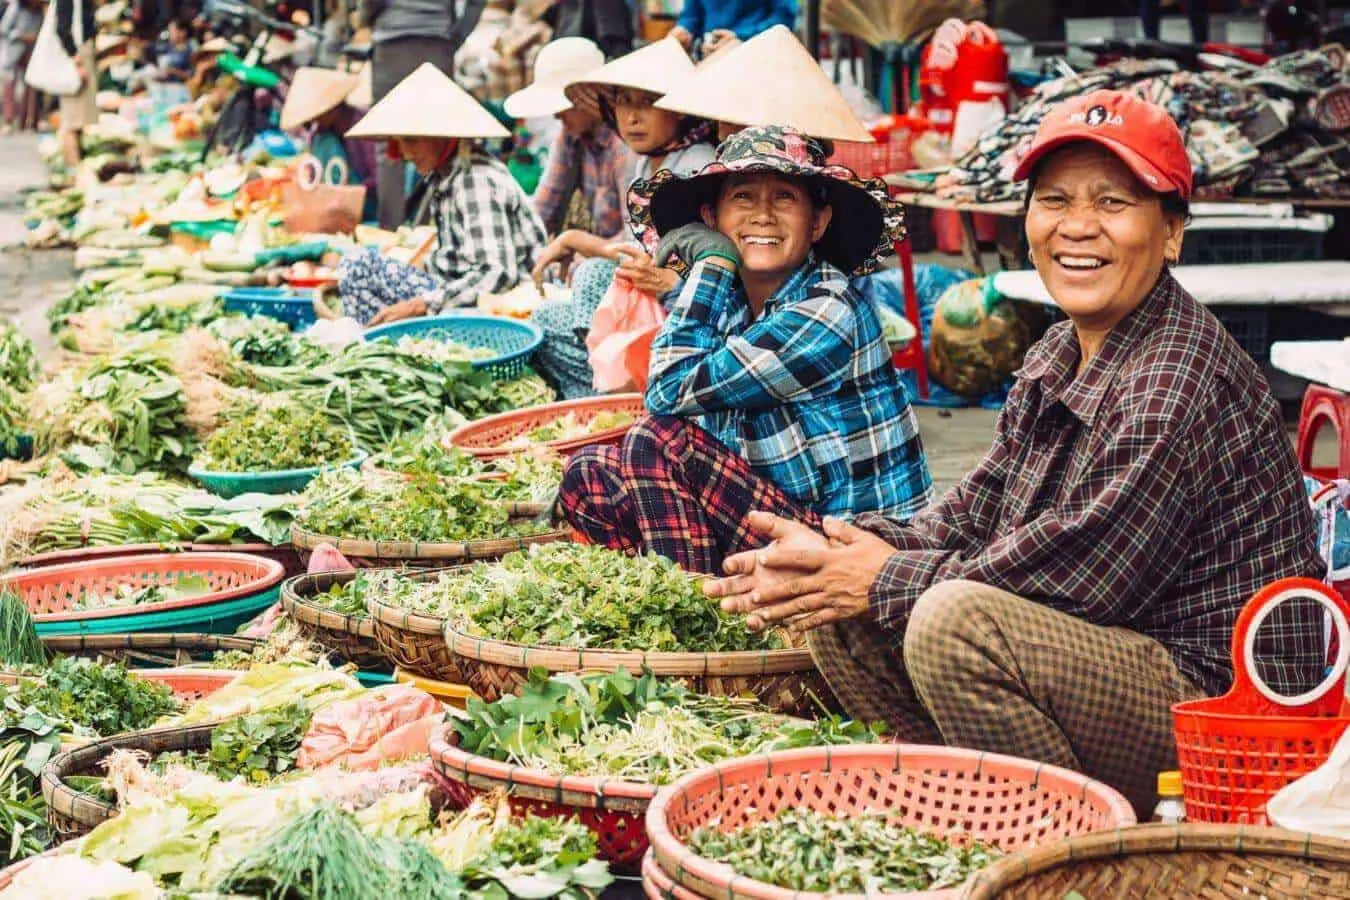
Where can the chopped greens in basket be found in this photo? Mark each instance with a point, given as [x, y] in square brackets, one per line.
[348, 504]
[266, 342]
[570, 426]
[440, 350]
[127, 596]
[577, 595]
[93, 697]
[532, 475]
[805, 850]
[635, 728]
[276, 437]
[256, 747]
[349, 598]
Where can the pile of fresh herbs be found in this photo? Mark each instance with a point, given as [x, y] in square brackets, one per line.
[265, 341]
[274, 437]
[806, 850]
[525, 476]
[82, 297]
[175, 317]
[121, 413]
[430, 347]
[570, 426]
[585, 596]
[13, 422]
[348, 504]
[19, 641]
[638, 729]
[90, 696]
[18, 361]
[349, 597]
[23, 820]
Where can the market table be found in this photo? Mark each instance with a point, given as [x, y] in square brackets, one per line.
[1325, 365]
[1009, 233]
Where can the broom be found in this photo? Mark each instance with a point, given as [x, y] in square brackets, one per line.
[895, 28]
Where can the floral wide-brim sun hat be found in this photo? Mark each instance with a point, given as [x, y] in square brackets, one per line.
[865, 226]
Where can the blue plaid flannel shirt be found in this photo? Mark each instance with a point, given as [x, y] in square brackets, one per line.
[806, 392]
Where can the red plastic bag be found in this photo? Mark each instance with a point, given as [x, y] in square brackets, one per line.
[620, 340]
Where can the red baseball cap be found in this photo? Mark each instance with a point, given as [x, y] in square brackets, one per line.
[1142, 134]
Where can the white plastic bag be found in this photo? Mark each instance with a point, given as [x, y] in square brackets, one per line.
[1318, 802]
[50, 70]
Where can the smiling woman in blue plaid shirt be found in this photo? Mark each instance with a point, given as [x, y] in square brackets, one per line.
[771, 383]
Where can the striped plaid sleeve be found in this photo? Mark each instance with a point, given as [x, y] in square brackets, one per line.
[800, 348]
[482, 257]
[1101, 555]
[559, 181]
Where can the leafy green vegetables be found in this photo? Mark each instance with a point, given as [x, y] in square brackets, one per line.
[88, 695]
[175, 317]
[570, 426]
[805, 850]
[13, 422]
[639, 729]
[18, 362]
[525, 476]
[19, 641]
[276, 437]
[266, 342]
[115, 510]
[23, 820]
[576, 595]
[260, 745]
[127, 596]
[443, 351]
[349, 598]
[121, 413]
[344, 503]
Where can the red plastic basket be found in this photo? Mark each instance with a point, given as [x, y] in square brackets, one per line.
[52, 590]
[485, 438]
[1237, 751]
[890, 154]
[189, 685]
[284, 554]
[658, 885]
[1001, 800]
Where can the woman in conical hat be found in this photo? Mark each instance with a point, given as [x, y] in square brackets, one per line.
[317, 103]
[624, 93]
[771, 384]
[487, 233]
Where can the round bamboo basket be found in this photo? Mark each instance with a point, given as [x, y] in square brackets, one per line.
[393, 554]
[71, 813]
[786, 681]
[350, 637]
[414, 641]
[149, 650]
[1174, 862]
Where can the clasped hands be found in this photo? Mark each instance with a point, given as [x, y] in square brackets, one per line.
[803, 579]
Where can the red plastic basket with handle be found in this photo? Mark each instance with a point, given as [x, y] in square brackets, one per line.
[1237, 751]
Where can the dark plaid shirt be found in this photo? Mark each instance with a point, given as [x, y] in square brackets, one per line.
[1157, 491]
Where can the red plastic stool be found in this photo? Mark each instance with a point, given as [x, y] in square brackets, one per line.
[1324, 406]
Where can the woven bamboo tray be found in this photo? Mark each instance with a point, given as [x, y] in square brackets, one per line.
[394, 554]
[71, 813]
[413, 641]
[1174, 862]
[350, 637]
[286, 555]
[486, 438]
[610, 807]
[786, 681]
[1008, 802]
[150, 650]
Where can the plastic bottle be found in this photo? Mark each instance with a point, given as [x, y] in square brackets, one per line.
[1171, 809]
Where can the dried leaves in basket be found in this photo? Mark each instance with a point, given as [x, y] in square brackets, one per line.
[806, 850]
[577, 595]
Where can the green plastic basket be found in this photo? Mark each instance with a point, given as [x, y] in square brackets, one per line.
[241, 586]
[285, 481]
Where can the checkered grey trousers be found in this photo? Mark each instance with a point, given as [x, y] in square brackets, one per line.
[982, 668]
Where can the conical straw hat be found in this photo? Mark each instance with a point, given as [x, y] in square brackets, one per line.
[363, 95]
[559, 63]
[658, 68]
[314, 92]
[771, 79]
[428, 104]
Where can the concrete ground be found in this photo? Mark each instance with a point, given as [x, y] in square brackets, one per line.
[31, 280]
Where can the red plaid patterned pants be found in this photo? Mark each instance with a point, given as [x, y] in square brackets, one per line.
[672, 489]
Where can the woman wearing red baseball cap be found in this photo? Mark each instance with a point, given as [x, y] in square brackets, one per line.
[1140, 489]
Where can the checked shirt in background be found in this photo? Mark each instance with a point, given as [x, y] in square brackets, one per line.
[488, 233]
[1157, 491]
[806, 392]
[597, 164]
